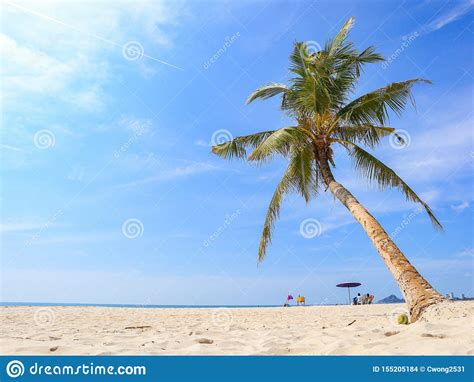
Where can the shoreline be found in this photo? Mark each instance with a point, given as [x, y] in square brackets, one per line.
[298, 330]
[53, 304]
[138, 306]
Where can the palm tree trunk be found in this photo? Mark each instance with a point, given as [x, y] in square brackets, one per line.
[418, 293]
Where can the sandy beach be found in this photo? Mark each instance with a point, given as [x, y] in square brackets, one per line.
[323, 330]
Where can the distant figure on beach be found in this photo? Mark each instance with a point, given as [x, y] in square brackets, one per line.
[300, 300]
[366, 299]
[288, 299]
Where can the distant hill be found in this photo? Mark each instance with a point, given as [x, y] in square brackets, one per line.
[392, 299]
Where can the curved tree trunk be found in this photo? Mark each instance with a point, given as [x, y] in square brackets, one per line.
[418, 293]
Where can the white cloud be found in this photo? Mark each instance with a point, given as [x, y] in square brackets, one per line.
[66, 51]
[77, 238]
[15, 227]
[90, 99]
[453, 15]
[202, 143]
[436, 154]
[185, 171]
[8, 147]
[458, 208]
[113, 23]
[191, 169]
[31, 70]
[445, 264]
[134, 124]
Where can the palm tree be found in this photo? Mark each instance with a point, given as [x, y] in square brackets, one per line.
[317, 98]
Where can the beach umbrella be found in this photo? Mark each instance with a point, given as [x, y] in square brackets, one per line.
[348, 286]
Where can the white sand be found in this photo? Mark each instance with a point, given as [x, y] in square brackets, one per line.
[296, 330]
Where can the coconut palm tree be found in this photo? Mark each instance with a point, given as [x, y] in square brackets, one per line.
[317, 99]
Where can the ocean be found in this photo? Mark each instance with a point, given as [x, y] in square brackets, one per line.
[133, 305]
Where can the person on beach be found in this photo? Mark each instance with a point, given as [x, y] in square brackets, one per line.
[288, 299]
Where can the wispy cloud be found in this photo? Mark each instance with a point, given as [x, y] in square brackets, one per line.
[460, 207]
[47, 75]
[187, 170]
[450, 263]
[8, 147]
[78, 238]
[449, 17]
[85, 32]
[15, 227]
[72, 51]
[468, 252]
[429, 158]
[202, 143]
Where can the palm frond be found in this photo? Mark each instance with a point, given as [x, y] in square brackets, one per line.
[373, 107]
[273, 213]
[350, 66]
[367, 134]
[299, 176]
[303, 171]
[376, 171]
[369, 56]
[281, 142]
[267, 91]
[298, 58]
[335, 45]
[237, 147]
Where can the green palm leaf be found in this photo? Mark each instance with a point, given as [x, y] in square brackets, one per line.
[267, 91]
[376, 171]
[334, 45]
[368, 135]
[237, 147]
[279, 142]
[373, 107]
[299, 59]
[299, 176]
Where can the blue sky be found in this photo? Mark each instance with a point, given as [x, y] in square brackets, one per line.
[109, 193]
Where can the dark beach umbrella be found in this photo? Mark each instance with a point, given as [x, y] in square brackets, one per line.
[349, 286]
